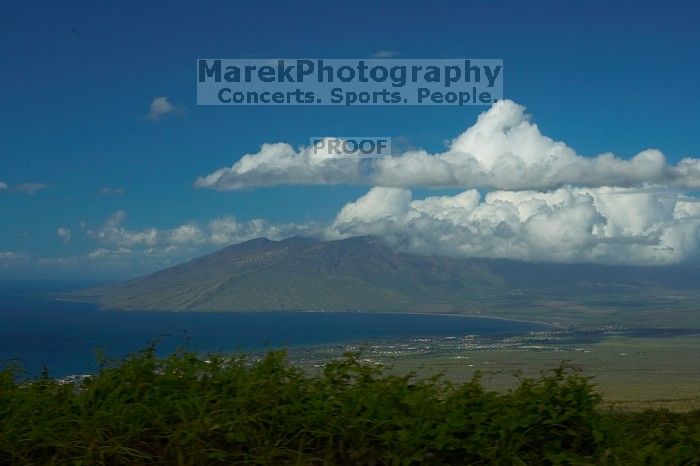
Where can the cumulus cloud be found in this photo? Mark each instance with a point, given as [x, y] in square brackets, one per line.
[600, 225]
[3, 186]
[113, 232]
[64, 234]
[186, 234]
[543, 201]
[608, 225]
[502, 150]
[189, 236]
[162, 107]
[228, 230]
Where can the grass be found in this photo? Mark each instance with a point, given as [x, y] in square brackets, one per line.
[631, 373]
[185, 409]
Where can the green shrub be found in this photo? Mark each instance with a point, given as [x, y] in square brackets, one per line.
[188, 410]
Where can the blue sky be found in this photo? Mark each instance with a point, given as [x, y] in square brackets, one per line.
[77, 80]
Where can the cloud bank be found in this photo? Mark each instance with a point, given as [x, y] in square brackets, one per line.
[597, 225]
[600, 225]
[503, 150]
[186, 238]
[543, 203]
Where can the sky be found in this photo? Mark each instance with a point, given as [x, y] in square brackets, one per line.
[110, 169]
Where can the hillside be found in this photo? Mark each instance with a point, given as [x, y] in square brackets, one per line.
[363, 273]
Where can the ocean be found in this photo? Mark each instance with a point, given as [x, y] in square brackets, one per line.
[38, 329]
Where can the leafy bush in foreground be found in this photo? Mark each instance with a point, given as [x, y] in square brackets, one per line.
[187, 410]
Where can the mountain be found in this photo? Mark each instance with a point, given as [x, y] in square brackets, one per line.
[364, 273]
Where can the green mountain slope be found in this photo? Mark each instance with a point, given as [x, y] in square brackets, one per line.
[302, 273]
[363, 273]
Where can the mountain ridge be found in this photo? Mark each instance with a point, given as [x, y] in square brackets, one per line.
[361, 273]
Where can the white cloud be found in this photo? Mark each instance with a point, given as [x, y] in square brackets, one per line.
[64, 234]
[113, 232]
[121, 249]
[190, 236]
[502, 150]
[377, 204]
[385, 54]
[186, 234]
[601, 225]
[610, 225]
[25, 188]
[228, 230]
[31, 188]
[109, 191]
[103, 252]
[280, 163]
[161, 107]
[8, 258]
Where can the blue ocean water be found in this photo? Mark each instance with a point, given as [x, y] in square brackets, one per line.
[38, 329]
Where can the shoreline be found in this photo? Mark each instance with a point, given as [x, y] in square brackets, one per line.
[65, 297]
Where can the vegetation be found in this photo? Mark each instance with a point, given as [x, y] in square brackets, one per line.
[185, 409]
[368, 274]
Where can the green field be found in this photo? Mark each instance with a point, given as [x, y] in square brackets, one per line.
[640, 348]
[632, 373]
